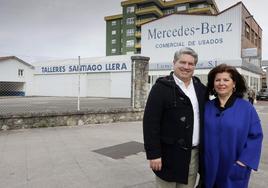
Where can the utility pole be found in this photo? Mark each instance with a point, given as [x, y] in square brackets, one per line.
[78, 96]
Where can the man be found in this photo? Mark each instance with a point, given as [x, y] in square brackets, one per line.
[251, 95]
[172, 123]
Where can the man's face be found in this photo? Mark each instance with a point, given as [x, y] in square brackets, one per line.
[184, 67]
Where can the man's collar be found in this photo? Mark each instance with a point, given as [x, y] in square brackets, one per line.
[179, 81]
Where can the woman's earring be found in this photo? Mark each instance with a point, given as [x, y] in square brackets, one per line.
[234, 89]
[214, 91]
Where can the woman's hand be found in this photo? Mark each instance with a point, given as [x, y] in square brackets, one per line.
[240, 163]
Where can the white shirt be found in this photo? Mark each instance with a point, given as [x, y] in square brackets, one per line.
[190, 92]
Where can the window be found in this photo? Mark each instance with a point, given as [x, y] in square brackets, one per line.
[130, 32]
[247, 31]
[256, 39]
[20, 72]
[113, 41]
[113, 23]
[113, 32]
[200, 5]
[169, 11]
[252, 36]
[181, 8]
[130, 21]
[130, 52]
[130, 43]
[259, 42]
[130, 9]
[113, 50]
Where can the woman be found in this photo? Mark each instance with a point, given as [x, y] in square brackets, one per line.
[233, 134]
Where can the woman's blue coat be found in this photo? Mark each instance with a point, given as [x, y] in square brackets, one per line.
[231, 135]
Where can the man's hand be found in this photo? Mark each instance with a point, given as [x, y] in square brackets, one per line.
[156, 164]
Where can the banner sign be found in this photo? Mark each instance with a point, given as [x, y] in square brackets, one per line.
[83, 68]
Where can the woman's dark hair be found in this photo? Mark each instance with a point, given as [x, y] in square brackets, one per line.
[240, 84]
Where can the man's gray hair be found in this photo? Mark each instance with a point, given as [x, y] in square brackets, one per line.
[185, 50]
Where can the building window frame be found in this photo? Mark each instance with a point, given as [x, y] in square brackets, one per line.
[130, 20]
[130, 9]
[180, 8]
[130, 32]
[113, 23]
[247, 31]
[20, 72]
[113, 32]
[130, 43]
[113, 50]
[113, 41]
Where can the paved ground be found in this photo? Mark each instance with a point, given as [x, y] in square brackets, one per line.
[58, 104]
[95, 156]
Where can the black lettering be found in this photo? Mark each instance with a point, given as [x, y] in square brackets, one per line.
[229, 27]
[151, 35]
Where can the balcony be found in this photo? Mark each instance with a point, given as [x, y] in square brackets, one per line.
[138, 45]
[138, 34]
[150, 10]
[208, 9]
[143, 21]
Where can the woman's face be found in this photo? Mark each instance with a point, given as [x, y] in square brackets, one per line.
[224, 84]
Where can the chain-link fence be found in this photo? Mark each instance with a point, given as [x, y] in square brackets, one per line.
[18, 105]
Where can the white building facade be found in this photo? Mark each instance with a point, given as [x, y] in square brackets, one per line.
[216, 38]
[97, 77]
[16, 77]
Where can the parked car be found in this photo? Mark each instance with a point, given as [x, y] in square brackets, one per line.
[262, 94]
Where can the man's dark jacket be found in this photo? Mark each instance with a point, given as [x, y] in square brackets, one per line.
[168, 127]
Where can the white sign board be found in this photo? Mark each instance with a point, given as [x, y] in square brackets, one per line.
[212, 37]
[250, 52]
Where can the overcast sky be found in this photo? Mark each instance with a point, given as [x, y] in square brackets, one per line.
[37, 30]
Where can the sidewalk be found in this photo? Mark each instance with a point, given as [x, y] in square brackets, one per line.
[94, 156]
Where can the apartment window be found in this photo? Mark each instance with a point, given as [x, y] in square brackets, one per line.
[181, 8]
[113, 41]
[113, 23]
[20, 72]
[113, 50]
[130, 52]
[130, 32]
[130, 9]
[247, 31]
[169, 11]
[252, 36]
[259, 42]
[113, 32]
[256, 39]
[130, 20]
[198, 5]
[130, 43]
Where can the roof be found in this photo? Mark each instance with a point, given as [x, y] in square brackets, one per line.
[16, 58]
